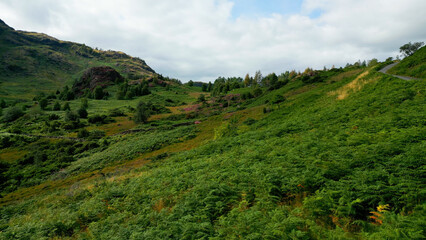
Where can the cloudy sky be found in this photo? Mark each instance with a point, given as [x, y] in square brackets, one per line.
[204, 39]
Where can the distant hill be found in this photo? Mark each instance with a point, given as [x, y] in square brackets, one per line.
[412, 66]
[35, 62]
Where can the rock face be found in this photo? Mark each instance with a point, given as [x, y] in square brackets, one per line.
[97, 76]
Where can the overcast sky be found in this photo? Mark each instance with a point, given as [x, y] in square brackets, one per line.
[204, 39]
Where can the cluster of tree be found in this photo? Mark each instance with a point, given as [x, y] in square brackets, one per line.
[145, 110]
[410, 48]
[224, 85]
[127, 91]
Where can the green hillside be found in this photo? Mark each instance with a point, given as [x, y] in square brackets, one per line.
[413, 66]
[33, 62]
[323, 154]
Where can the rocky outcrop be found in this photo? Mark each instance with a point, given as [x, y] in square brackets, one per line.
[97, 76]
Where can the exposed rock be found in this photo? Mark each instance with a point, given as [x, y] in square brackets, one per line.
[97, 76]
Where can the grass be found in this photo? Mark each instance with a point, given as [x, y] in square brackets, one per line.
[413, 66]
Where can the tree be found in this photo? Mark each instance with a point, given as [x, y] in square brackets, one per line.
[278, 99]
[145, 91]
[98, 93]
[190, 83]
[257, 92]
[143, 111]
[258, 77]
[247, 81]
[82, 112]
[204, 87]
[71, 116]
[12, 113]
[410, 48]
[202, 98]
[3, 104]
[66, 107]
[84, 103]
[210, 87]
[56, 106]
[270, 80]
[43, 103]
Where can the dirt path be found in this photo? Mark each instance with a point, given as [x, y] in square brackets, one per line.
[385, 69]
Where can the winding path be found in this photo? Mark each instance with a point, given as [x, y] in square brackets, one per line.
[385, 69]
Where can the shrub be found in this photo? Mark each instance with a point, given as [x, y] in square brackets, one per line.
[12, 113]
[97, 118]
[83, 133]
[257, 92]
[66, 107]
[142, 113]
[116, 113]
[71, 116]
[43, 103]
[82, 112]
[56, 106]
[96, 134]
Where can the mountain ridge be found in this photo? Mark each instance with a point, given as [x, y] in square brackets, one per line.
[35, 62]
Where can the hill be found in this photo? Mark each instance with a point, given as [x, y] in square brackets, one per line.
[33, 62]
[413, 66]
[323, 154]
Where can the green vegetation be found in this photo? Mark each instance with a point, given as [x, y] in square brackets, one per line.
[32, 62]
[413, 66]
[324, 154]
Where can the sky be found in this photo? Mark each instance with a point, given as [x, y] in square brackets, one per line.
[201, 40]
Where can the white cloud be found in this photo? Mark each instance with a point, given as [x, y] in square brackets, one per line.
[200, 40]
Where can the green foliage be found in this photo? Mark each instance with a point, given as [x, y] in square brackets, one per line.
[190, 83]
[56, 106]
[83, 133]
[410, 48]
[43, 103]
[66, 107]
[12, 113]
[82, 113]
[71, 116]
[84, 103]
[143, 111]
[228, 129]
[99, 93]
[3, 104]
[257, 92]
[413, 66]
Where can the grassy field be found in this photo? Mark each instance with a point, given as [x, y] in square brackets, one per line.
[336, 159]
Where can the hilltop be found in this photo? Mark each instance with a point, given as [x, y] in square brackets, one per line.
[34, 62]
[324, 154]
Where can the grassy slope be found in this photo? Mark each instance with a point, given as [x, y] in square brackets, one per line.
[315, 167]
[413, 66]
[33, 62]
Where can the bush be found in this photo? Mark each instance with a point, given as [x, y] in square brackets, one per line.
[56, 106]
[12, 113]
[143, 112]
[257, 92]
[83, 133]
[96, 134]
[66, 107]
[53, 117]
[71, 116]
[97, 119]
[82, 112]
[43, 103]
[116, 113]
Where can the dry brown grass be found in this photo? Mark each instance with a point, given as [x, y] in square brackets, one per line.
[353, 86]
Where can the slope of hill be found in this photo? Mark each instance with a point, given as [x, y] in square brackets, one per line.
[413, 66]
[337, 159]
[333, 154]
[33, 62]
